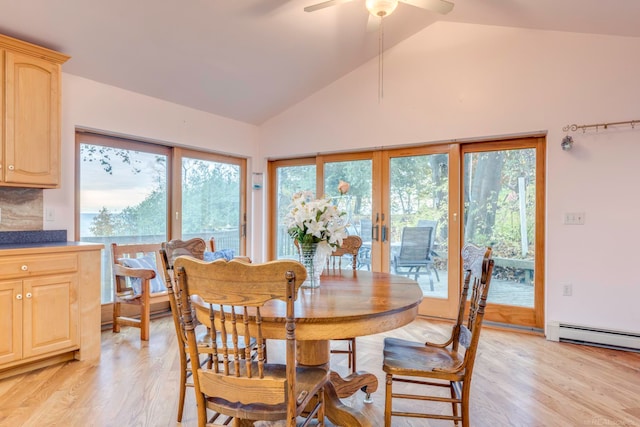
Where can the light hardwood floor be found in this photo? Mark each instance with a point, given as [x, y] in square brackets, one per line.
[519, 380]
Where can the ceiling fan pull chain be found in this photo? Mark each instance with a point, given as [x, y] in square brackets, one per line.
[381, 61]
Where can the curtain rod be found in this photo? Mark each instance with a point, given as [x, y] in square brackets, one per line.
[575, 127]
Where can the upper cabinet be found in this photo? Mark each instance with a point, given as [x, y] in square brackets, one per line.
[30, 105]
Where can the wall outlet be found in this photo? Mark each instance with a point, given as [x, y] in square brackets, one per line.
[567, 289]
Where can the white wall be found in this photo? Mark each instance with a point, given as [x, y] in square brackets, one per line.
[458, 81]
[451, 81]
[90, 105]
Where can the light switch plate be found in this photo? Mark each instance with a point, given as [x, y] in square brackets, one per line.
[574, 218]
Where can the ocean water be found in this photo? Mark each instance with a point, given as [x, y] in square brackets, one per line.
[85, 222]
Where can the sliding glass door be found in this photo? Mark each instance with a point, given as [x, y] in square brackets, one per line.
[122, 195]
[212, 199]
[503, 208]
[287, 178]
[415, 208]
[135, 192]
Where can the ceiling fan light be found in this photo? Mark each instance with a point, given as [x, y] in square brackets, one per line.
[381, 8]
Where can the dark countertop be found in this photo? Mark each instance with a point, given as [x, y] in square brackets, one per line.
[32, 236]
[55, 240]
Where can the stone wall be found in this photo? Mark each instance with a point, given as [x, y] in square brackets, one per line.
[21, 209]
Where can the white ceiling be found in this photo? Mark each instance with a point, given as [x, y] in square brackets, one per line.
[251, 59]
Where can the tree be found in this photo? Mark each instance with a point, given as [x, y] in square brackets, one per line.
[482, 176]
[102, 224]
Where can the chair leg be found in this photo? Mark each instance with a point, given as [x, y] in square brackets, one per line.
[116, 314]
[454, 405]
[352, 355]
[145, 316]
[387, 401]
[436, 271]
[183, 384]
[465, 408]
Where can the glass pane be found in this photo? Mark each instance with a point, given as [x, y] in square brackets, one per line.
[290, 180]
[418, 232]
[499, 211]
[211, 202]
[123, 199]
[356, 201]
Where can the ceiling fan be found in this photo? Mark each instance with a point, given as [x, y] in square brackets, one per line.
[382, 8]
[378, 10]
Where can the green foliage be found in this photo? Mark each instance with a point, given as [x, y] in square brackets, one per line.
[210, 193]
[105, 156]
[102, 224]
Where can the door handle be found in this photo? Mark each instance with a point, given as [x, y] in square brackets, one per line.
[384, 233]
[375, 230]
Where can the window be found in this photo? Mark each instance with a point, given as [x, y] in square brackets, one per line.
[125, 196]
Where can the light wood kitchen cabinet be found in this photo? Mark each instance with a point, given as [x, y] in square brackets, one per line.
[44, 319]
[30, 105]
[49, 306]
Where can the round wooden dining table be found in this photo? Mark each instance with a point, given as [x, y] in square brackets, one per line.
[347, 304]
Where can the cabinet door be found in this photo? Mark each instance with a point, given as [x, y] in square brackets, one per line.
[50, 314]
[10, 321]
[32, 117]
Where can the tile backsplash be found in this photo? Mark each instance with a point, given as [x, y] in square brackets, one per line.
[21, 209]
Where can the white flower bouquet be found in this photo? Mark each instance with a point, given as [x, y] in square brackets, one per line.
[315, 221]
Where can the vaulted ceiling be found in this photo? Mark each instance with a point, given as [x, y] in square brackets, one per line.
[251, 59]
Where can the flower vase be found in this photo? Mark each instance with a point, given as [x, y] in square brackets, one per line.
[313, 261]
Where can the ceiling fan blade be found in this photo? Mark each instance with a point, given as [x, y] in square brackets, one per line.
[439, 6]
[373, 23]
[324, 4]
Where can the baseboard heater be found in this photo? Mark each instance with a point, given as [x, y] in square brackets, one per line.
[619, 340]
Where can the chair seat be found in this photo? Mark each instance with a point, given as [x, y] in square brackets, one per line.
[132, 297]
[308, 381]
[402, 357]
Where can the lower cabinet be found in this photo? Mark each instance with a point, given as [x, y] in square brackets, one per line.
[43, 310]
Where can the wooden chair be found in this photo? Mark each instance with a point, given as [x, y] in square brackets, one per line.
[136, 283]
[415, 253]
[449, 364]
[169, 252]
[212, 248]
[350, 246]
[248, 389]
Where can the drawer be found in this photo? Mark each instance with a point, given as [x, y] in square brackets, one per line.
[27, 266]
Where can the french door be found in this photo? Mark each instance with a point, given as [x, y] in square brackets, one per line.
[488, 193]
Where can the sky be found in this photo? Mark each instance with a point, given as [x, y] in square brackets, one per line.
[122, 188]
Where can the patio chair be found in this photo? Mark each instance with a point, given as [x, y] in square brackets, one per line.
[434, 224]
[415, 257]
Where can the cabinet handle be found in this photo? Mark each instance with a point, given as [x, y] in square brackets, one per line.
[24, 268]
[11, 167]
[28, 294]
[19, 296]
